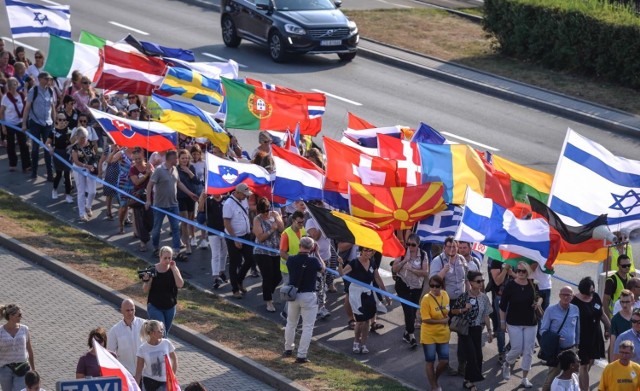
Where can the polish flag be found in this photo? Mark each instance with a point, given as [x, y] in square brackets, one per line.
[111, 367]
[130, 72]
[172, 381]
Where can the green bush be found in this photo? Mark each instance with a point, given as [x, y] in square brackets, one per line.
[582, 36]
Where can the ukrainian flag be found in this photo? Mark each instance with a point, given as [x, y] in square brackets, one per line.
[192, 85]
[190, 120]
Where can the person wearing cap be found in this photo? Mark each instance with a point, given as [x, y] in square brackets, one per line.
[235, 214]
[163, 185]
[133, 111]
[38, 115]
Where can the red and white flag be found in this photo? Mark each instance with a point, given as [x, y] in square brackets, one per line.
[110, 366]
[130, 72]
[172, 381]
[407, 155]
[346, 164]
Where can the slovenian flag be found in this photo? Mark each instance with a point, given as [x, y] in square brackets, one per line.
[296, 178]
[224, 175]
[152, 136]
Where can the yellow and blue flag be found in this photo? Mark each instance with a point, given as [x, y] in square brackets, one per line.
[193, 85]
[190, 120]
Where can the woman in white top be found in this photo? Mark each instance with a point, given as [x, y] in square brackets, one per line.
[11, 109]
[16, 354]
[150, 368]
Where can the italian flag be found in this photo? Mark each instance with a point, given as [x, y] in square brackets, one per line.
[66, 56]
[256, 108]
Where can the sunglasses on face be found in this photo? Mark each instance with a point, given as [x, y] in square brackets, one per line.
[479, 281]
[86, 82]
[435, 286]
[521, 270]
[625, 302]
[625, 266]
[635, 321]
[412, 245]
[38, 56]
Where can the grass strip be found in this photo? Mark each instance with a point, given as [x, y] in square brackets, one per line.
[226, 323]
[451, 38]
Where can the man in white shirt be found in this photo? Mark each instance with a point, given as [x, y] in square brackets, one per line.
[235, 214]
[634, 286]
[124, 337]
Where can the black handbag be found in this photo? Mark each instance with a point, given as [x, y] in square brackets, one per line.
[550, 344]
[19, 368]
[460, 325]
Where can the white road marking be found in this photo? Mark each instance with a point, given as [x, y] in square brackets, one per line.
[397, 5]
[222, 59]
[50, 2]
[124, 26]
[8, 39]
[470, 141]
[338, 97]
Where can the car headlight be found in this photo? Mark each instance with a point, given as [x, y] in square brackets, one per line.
[353, 29]
[294, 29]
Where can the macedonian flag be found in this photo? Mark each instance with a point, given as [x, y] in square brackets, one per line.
[399, 207]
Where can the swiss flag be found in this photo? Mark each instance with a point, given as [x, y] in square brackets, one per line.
[346, 164]
[131, 73]
[407, 155]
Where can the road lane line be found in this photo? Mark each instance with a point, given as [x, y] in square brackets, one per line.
[222, 59]
[397, 5]
[471, 141]
[338, 97]
[7, 40]
[124, 26]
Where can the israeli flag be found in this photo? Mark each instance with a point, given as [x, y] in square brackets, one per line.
[35, 20]
[591, 181]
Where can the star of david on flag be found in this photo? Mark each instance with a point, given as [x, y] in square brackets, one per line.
[36, 20]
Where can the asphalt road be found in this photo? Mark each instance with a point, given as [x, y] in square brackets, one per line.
[382, 94]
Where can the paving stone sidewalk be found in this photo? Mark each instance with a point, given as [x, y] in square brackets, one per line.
[60, 316]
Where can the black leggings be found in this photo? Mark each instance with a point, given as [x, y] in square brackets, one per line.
[67, 180]
[412, 295]
[271, 276]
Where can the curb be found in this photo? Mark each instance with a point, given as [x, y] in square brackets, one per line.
[230, 356]
[525, 100]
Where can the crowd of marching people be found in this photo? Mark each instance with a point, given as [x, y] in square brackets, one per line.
[444, 288]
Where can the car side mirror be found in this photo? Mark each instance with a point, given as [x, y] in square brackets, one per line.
[338, 3]
[263, 5]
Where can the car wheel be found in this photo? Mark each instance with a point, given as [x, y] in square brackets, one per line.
[229, 33]
[276, 47]
[347, 56]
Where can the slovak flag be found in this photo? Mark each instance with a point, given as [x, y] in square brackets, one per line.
[346, 164]
[408, 156]
[297, 178]
[110, 366]
[224, 175]
[152, 136]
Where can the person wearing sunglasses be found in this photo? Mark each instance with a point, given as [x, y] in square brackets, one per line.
[84, 95]
[517, 312]
[615, 284]
[15, 348]
[633, 335]
[475, 307]
[621, 321]
[435, 333]
[410, 270]
[58, 144]
[68, 109]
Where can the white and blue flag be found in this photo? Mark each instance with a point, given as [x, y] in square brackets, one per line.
[36, 20]
[488, 223]
[436, 228]
[591, 181]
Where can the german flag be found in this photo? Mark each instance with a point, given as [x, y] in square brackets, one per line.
[345, 228]
[399, 207]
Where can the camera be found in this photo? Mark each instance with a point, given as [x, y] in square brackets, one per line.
[150, 271]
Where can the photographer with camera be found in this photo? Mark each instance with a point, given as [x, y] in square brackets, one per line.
[162, 282]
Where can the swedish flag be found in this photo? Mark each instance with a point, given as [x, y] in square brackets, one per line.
[190, 120]
[192, 85]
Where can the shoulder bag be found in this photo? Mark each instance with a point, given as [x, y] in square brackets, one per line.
[538, 312]
[289, 292]
[550, 344]
[459, 323]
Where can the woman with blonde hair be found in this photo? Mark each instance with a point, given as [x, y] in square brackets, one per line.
[520, 300]
[162, 289]
[150, 366]
[16, 353]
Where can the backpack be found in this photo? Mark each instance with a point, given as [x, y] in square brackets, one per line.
[35, 92]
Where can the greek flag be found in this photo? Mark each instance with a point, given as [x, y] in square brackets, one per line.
[436, 228]
[35, 20]
[591, 181]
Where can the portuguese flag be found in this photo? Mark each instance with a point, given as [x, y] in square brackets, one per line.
[345, 228]
[524, 180]
[256, 108]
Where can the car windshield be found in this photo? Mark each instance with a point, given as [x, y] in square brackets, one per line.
[304, 5]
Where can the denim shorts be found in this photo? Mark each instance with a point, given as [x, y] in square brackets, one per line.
[430, 350]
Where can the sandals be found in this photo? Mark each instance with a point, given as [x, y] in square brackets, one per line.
[375, 327]
[469, 386]
[351, 325]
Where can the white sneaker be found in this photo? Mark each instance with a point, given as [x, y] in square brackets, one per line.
[68, 199]
[89, 212]
[356, 347]
[526, 383]
[506, 371]
[54, 194]
[193, 242]
[203, 244]
[363, 349]
[323, 313]
[84, 218]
